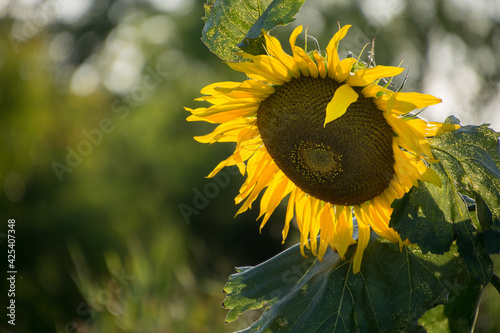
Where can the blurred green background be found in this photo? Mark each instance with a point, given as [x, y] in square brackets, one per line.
[117, 230]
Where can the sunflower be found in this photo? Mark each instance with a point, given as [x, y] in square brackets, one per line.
[323, 132]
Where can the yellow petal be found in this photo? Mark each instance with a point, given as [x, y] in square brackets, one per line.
[411, 137]
[327, 221]
[272, 66]
[269, 170]
[432, 177]
[343, 69]
[293, 36]
[363, 238]
[238, 157]
[314, 225]
[289, 211]
[279, 188]
[343, 230]
[227, 128]
[252, 86]
[255, 72]
[320, 62]
[431, 128]
[255, 165]
[418, 99]
[274, 48]
[331, 51]
[304, 218]
[378, 218]
[372, 90]
[343, 97]
[301, 58]
[366, 76]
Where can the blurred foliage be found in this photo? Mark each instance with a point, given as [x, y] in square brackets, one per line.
[104, 247]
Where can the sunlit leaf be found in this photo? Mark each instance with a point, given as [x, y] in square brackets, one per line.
[471, 158]
[391, 291]
[231, 25]
[458, 314]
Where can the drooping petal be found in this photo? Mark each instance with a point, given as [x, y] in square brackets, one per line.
[343, 97]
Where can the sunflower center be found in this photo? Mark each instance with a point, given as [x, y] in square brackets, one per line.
[346, 162]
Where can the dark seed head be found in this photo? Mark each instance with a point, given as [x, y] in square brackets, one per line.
[347, 162]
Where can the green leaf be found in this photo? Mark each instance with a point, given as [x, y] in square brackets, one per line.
[234, 24]
[425, 214]
[474, 252]
[279, 12]
[470, 156]
[270, 289]
[391, 291]
[483, 213]
[459, 313]
[491, 239]
[433, 217]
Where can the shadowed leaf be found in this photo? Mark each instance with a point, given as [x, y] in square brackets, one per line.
[391, 291]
